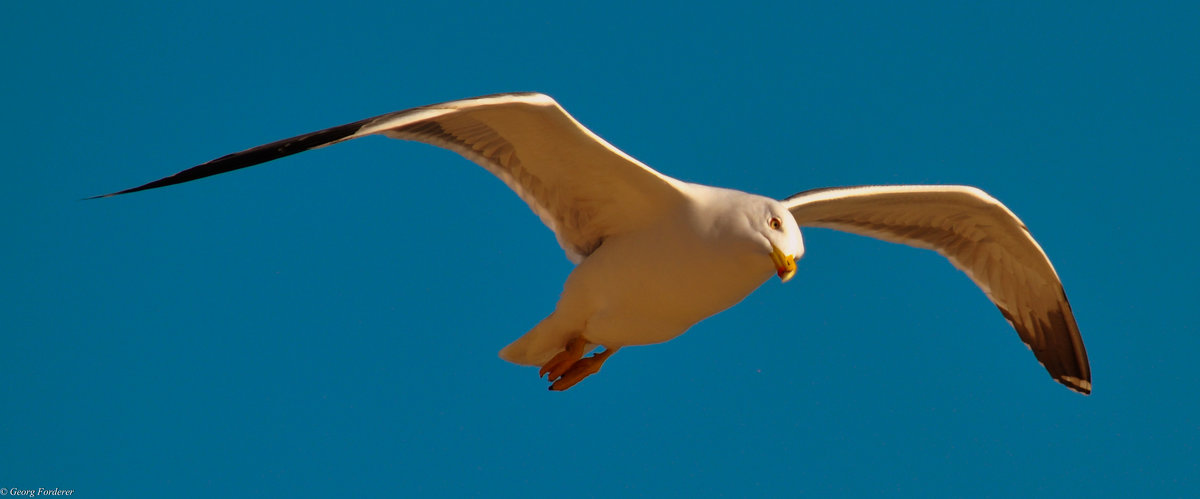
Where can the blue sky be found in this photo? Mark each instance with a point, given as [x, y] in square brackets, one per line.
[328, 324]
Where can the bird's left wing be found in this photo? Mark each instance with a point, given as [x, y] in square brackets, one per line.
[582, 188]
[981, 237]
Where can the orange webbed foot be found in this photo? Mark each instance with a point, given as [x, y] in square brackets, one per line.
[580, 369]
[564, 360]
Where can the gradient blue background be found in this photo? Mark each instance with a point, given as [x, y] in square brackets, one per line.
[327, 325]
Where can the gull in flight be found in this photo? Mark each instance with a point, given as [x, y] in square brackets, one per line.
[655, 255]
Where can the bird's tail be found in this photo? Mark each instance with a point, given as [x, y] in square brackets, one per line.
[539, 345]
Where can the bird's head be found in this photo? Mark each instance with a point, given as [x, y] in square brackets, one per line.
[762, 230]
[782, 237]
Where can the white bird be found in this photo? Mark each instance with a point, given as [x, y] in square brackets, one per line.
[656, 255]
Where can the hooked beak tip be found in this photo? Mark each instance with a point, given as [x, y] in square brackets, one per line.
[785, 265]
[786, 273]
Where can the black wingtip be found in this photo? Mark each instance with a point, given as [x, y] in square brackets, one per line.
[253, 156]
[118, 193]
[157, 183]
[1082, 386]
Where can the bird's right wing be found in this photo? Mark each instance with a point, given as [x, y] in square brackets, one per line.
[981, 237]
[581, 187]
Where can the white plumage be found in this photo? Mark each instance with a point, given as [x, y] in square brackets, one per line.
[656, 255]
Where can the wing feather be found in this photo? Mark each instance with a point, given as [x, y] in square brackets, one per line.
[981, 237]
[581, 187]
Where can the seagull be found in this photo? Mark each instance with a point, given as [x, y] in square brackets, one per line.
[655, 255]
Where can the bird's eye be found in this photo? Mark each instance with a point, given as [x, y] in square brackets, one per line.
[776, 223]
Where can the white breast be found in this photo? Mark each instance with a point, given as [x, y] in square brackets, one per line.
[650, 286]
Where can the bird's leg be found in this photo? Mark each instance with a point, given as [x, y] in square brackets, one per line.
[565, 359]
[580, 369]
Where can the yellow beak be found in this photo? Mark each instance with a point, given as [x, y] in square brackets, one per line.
[785, 265]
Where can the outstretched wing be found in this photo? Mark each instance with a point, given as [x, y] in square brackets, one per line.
[981, 237]
[581, 187]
